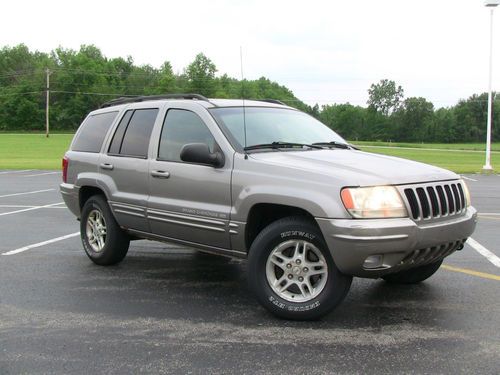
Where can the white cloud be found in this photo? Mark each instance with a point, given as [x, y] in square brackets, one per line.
[325, 51]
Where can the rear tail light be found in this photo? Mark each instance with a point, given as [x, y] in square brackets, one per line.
[65, 163]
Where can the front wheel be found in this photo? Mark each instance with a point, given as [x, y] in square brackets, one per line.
[292, 273]
[413, 275]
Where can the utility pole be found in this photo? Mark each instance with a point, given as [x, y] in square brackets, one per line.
[491, 4]
[48, 72]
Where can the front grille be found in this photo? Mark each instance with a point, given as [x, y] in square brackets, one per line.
[435, 200]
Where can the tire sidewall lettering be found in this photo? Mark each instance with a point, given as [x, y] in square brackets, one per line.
[289, 307]
[297, 233]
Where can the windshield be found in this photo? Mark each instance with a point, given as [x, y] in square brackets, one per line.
[267, 125]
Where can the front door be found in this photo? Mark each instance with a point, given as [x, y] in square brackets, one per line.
[188, 202]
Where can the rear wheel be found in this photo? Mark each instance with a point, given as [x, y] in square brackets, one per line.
[414, 275]
[292, 273]
[103, 240]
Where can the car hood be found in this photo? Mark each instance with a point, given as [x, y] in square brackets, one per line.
[356, 167]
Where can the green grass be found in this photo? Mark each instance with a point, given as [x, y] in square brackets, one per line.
[458, 157]
[457, 161]
[34, 151]
[445, 146]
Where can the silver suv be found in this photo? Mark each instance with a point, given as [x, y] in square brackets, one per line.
[263, 181]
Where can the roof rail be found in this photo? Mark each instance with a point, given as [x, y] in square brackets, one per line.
[274, 101]
[137, 99]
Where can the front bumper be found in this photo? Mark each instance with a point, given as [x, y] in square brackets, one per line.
[375, 247]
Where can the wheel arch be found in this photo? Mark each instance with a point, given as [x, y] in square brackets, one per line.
[262, 214]
[87, 191]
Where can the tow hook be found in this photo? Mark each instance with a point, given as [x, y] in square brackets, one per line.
[461, 246]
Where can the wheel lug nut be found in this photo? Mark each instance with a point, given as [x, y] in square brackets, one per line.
[301, 279]
[290, 276]
[298, 261]
[305, 269]
[288, 265]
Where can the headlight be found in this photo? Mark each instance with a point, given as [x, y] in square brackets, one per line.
[466, 192]
[373, 202]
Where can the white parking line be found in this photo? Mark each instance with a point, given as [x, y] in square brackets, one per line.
[28, 192]
[15, 206]
[484, 251]
[30, 209]
[21, 171]
[489, 213]
[40, 174]
[468, 178]
[23, 206]
[25, 248]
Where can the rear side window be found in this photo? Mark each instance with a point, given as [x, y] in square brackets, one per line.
[116, 143]
[132, 134]
[93, 131]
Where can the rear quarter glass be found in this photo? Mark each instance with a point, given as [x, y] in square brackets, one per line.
[93, 131]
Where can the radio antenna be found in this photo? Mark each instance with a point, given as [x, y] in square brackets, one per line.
[243, 98]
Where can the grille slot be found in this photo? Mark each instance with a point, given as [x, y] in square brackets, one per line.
[433, 201]
[451, 203]
[424, 202]
[462, 195]
[458, 202]
[442, 200]
[412, 200]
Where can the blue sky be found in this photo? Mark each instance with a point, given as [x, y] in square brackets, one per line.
[325, 51]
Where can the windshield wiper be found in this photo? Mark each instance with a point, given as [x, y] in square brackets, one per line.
[277, 145]
[333, 144]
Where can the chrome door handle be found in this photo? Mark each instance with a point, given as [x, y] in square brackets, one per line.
[160, 174]
[107, 166]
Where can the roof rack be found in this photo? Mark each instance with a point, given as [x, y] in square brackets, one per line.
[274, 101]
[137, 99]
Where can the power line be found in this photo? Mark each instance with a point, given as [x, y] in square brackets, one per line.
[12, 75]
[93, 93]
[22, 93]
[140, 94]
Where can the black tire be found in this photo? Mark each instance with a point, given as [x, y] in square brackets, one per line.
[414, 275]
[116, 240]
[294, 228]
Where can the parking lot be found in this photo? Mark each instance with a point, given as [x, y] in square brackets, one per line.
[169, 309]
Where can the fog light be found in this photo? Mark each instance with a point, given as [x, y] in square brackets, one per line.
[373, 261]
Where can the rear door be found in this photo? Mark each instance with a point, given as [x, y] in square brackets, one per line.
[125, 170]
[189, 202]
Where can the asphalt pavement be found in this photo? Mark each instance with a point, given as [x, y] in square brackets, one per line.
[169, 309]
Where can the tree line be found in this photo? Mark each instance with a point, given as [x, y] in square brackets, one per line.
[390, 116]
[82, 80]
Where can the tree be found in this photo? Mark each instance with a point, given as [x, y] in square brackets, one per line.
[167, 78]
[385, 97]
[83, 79]
[470, 118]
[414, 121]
[201, 75]
[347, 120]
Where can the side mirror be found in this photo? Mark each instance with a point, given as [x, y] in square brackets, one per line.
[200, 153]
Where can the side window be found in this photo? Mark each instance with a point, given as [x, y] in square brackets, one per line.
[94, 129]
[132, 134]
[116, 143]
[179, 128]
